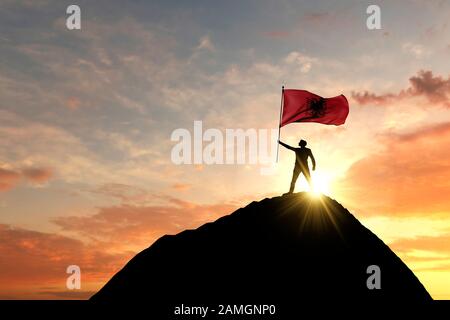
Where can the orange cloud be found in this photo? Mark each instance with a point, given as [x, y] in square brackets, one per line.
[435, 89]
[439, 244]
[127, 224]
[409, 176]
[8, 179]
[33, 262]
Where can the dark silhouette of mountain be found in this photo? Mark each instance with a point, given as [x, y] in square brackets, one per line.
[289, 248]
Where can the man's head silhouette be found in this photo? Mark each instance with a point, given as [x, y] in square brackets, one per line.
[302, 143]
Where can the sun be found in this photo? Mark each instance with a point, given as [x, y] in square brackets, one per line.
[321, 184]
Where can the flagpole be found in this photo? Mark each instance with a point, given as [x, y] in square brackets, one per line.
[279, 123]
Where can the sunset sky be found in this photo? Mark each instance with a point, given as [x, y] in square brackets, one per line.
[86, 116]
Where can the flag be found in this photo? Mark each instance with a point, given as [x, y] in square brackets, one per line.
[304, 106]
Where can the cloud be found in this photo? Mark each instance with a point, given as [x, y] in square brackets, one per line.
[51, 148]
[73, 103]
[336, 19]
[128, 194]
[296, 58]
[181, 186]
[438, 244]
[43, 144]
[132, 227]
[408, 176]
[80, 91]
[436, 267]
[121, 142]
[367, 97]
[277, 34]
[205, 43]
[317, 17]
[424, 253]
[99, 244]
[435, 89]
[417, 50]
[10, 179]
[33, 259]
[37, 175]
[38, 4]
[76, 295]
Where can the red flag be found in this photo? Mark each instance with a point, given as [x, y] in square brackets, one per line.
[304, 106]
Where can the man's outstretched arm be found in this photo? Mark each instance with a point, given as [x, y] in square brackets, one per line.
[312, 160]
[286, 145]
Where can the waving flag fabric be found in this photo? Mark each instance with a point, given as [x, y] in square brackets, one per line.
[304, 106]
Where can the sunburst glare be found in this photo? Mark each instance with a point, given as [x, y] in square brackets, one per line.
[321, 184]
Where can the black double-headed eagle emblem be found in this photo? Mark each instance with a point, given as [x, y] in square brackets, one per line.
[317, 107]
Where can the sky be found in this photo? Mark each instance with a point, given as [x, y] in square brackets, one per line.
[86, 118]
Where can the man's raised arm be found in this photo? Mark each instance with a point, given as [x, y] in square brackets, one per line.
[286, 145]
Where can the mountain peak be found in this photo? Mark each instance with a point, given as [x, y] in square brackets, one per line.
[292, 247]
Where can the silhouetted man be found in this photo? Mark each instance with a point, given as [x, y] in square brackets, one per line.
[301, 162]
